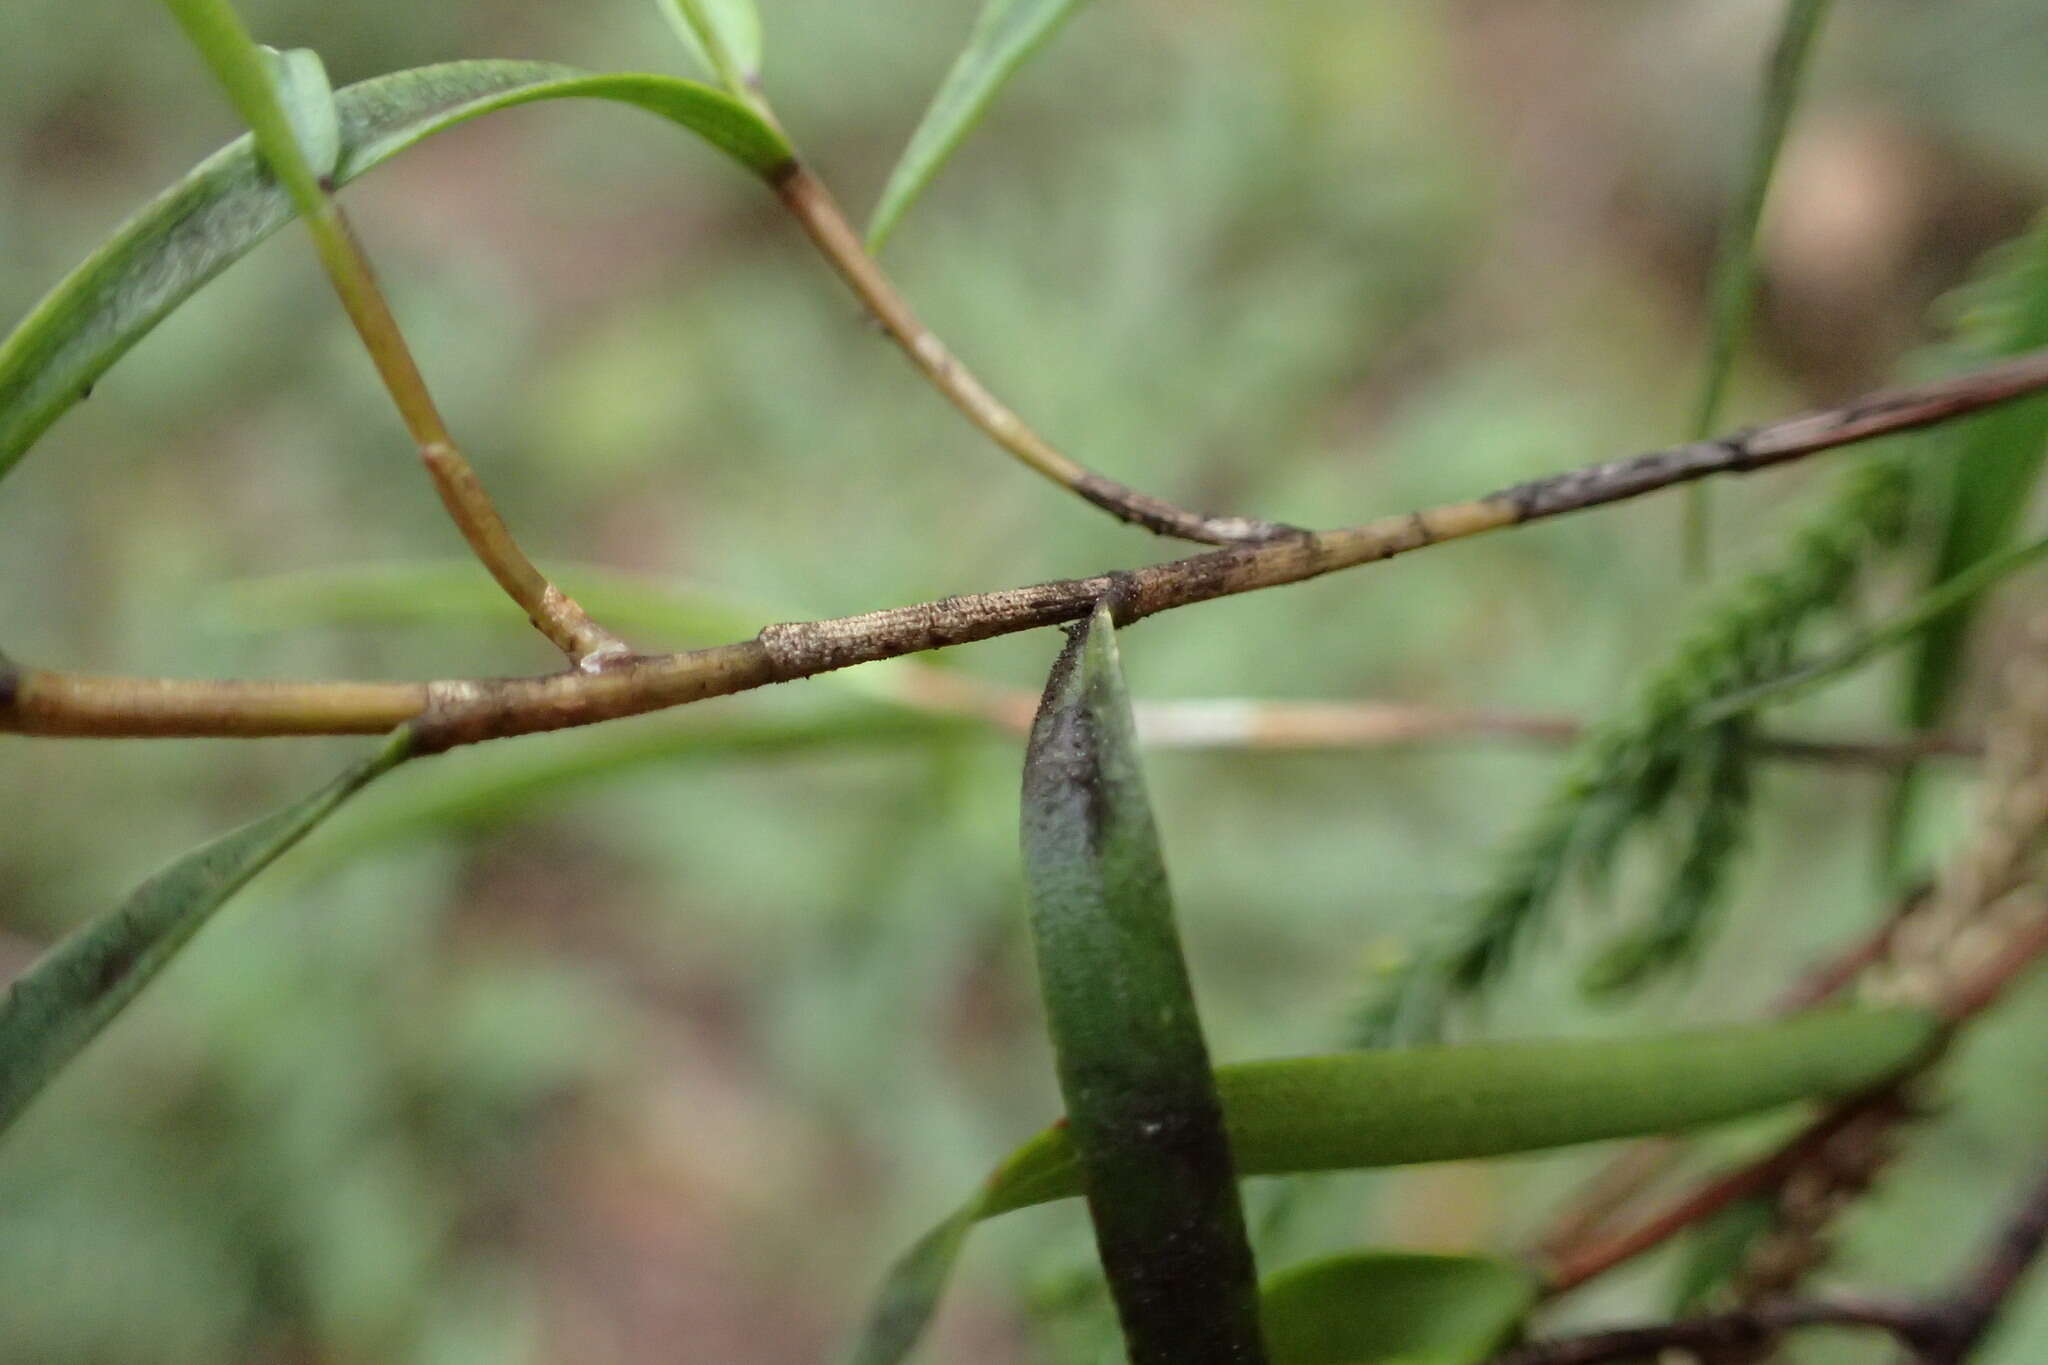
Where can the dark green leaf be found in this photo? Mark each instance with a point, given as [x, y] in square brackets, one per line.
[63, 1001]
[1007, 33]
[1369, 1109]
[229, 204]
[1143, 1114]
[1379, 1307]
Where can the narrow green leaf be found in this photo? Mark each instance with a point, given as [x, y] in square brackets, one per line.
[300, 79]
[1994, 465]
[229, 204]
[1909, 625]
[73, 991]
[909, 1296]
[1734, 283]
[723, 35]
[1004, 37]
[1351, 1110]
[1358, 1110]
[1143, 1113]
[1718, 1248]
[1998, 461]
[488, 784]
[1381, 1307]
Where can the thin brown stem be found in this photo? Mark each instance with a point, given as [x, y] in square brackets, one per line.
[554, 613]
[1238, 724]
[463, 712]
[1985, 1290]
[813, 205]
[1744, 1329]
[1575, 1267]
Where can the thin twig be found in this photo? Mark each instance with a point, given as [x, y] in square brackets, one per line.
[467, 711]
[1942, 1331]
[1579, 1265]
[1910, 1323]
[1238, 724]
[814, 207]
[553, 612]
[1985, 1290]
[224, 43]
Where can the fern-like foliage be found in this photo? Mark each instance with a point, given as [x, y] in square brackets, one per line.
[1674, 765]
[1653, 769]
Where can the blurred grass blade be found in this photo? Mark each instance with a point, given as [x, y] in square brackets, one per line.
[230, 203]
[1909, 625]
[1995, 466]
[1733, 292]
[300, 80]
[453, 593]
[63, 1001]
[909, 1297]
[1382, 1307]
[910, 1294]
[479, 786]
[1716, 1250]
[1005, 35]
[1998, 462]
[1357, 1110]
[723, 35]
[1142, 1110]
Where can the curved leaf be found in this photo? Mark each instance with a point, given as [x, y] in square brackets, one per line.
[1370, 1109]
[1379, 1307]
[1142, 1113]
[1005, 35]
[1361, 1109]
[63, 1001]
[230, 203]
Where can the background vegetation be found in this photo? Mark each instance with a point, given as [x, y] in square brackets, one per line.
[665, 1063]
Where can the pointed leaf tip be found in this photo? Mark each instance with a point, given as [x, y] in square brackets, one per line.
[1144, 1118]
[76, 989]
[1004, 38]
[1382, 1307]
[299, 78]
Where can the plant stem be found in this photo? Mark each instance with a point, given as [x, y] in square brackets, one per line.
[813, 206]
[463, 712]
[225, 44]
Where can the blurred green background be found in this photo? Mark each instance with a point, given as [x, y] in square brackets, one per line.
[664, 1064]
